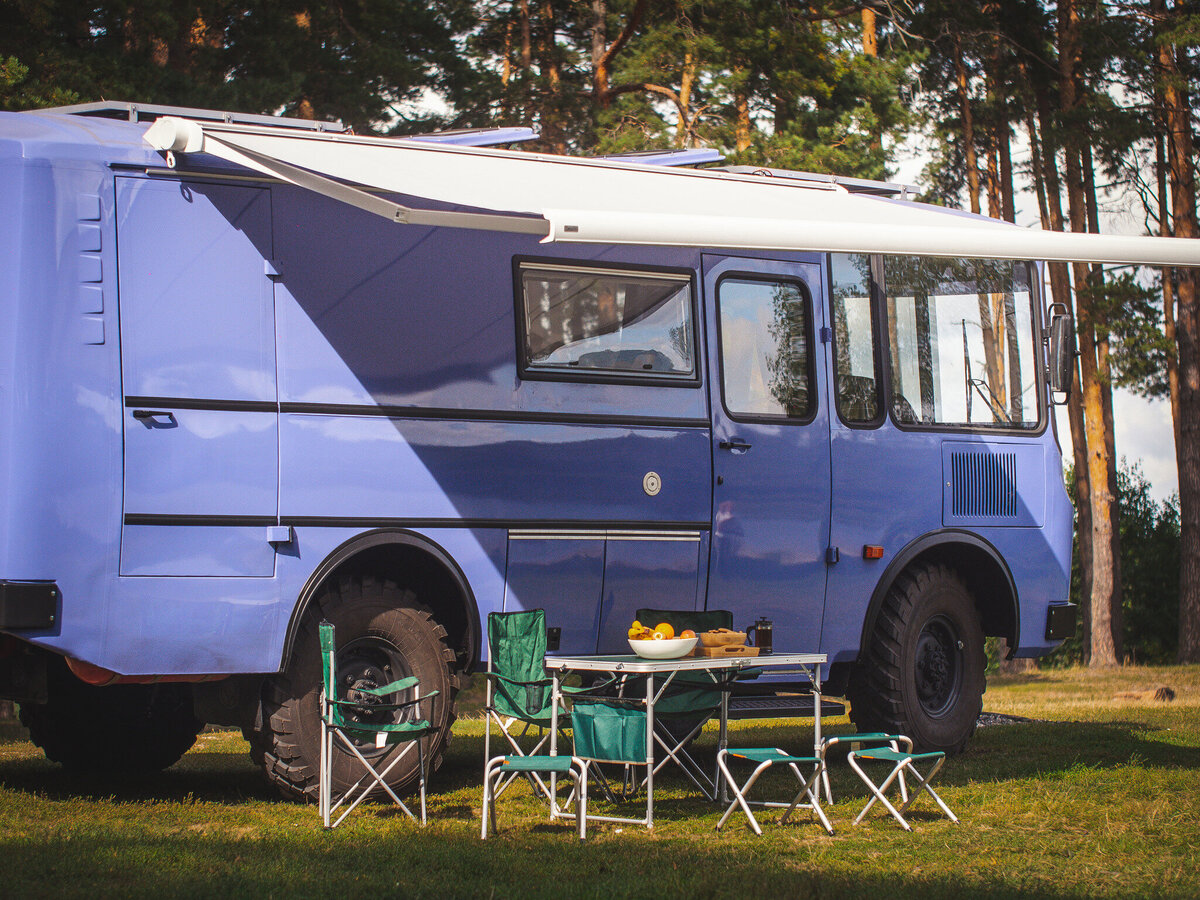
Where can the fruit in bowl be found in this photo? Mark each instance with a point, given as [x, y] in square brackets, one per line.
[663, 648]
[660, 642]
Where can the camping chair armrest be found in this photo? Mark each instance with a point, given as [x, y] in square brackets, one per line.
[584, 689]
[393, 688]
[514, 681]
[385, 706]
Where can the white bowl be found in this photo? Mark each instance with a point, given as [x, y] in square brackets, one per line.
[669, 649]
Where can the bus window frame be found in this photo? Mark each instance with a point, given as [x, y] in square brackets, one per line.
[1036, 313]
[566, 374]
[814, 405]
[878, 344]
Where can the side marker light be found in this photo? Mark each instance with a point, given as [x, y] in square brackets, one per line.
[872, 551]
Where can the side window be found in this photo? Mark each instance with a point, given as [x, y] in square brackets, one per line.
[854, 339]
[765, 348]
[607, 321]
[962, 341]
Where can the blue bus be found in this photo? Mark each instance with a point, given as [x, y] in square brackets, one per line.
[248, 383]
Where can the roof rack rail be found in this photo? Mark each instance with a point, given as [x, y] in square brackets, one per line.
[146, 112]
[691, 157]
[853, 185]
[476, 137]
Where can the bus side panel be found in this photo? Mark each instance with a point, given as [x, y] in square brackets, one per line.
[59, 394]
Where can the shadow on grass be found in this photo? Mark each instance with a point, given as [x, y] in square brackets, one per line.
[412, 862]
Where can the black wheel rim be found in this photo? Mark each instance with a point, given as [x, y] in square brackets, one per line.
[371, 662]
[939, 666]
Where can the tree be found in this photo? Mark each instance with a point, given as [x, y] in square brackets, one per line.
[358, 60]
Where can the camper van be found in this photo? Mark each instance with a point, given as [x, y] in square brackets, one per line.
[258, 373]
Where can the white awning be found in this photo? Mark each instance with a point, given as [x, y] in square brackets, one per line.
[573, 200]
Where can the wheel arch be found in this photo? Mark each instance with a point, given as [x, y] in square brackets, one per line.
[412, 561]
[977, 562]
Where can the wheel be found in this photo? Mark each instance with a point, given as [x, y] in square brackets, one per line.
[119, 730]
[923, 672]
[382, 635]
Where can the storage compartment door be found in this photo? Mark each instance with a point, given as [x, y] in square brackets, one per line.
[198, 371]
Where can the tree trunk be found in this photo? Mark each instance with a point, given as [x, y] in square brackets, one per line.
[1180, 155]
[968, 125]
[1098, 615]
[1060, 290]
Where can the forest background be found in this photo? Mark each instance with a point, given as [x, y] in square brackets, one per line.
[1077, 101]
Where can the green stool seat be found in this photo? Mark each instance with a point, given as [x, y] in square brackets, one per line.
[557, 764]
[764, 758]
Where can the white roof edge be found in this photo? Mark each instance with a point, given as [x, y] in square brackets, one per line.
[617, 202]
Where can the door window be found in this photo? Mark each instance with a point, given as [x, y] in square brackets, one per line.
[766, 360]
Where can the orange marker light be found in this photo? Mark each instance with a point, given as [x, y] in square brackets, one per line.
[872, 551]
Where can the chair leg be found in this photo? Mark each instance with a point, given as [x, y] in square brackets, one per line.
[360, 793]
[814, 796]
[923, 784]
[739, 794]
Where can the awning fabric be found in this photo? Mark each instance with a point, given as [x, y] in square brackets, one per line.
[572, 200]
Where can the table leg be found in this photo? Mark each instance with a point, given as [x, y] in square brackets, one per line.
[720, 788]
[555, 699]
[650, 750]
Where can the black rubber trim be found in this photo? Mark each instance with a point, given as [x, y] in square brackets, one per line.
[416, 412]
[1061, 621]
[225, 521]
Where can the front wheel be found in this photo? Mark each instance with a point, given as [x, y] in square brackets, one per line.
[923, 672]
[382, 635]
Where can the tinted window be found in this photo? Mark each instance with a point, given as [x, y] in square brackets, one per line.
[765, 348]
[606, 320]
[962, 342]
[854, 343]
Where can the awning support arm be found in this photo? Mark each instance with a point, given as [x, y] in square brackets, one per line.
[373, 203]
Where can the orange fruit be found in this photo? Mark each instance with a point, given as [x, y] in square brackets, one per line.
[665, 630]
[687, 633]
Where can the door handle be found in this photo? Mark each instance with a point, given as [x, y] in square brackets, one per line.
[152, 417]
[734, 444]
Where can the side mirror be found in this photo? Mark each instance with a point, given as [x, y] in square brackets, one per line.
[1062, 349]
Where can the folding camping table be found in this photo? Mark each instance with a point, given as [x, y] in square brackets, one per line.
[659, 673]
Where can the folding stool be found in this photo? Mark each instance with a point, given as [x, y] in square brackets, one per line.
[765, 757]
[902, 761]
[500, 767]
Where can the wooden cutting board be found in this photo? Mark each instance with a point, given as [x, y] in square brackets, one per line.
[725, 650]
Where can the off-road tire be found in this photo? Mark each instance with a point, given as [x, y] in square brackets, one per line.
[388, 622]
[923, 671]
[119, 730]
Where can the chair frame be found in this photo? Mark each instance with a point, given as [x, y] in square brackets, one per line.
[500, 766]
[765, 757]
[335, 728]
[903, 761]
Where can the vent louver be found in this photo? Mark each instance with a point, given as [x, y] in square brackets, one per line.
[984, 484]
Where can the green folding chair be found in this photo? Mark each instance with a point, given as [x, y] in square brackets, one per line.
[763, 758]
[519, 699]
[903, 764]
[363, 721]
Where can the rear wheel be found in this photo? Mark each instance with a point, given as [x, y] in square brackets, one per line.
[923, 672]
[382, 634]
[119, 730]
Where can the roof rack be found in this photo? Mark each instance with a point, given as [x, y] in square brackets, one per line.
[692, 157]
[146, 112]
[853, 185]
[476, 137]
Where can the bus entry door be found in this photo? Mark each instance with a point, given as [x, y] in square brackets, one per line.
[771, 492]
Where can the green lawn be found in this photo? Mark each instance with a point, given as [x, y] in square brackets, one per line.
[1098, 797]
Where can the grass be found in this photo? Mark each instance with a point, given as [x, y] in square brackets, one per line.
[1097, 797]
